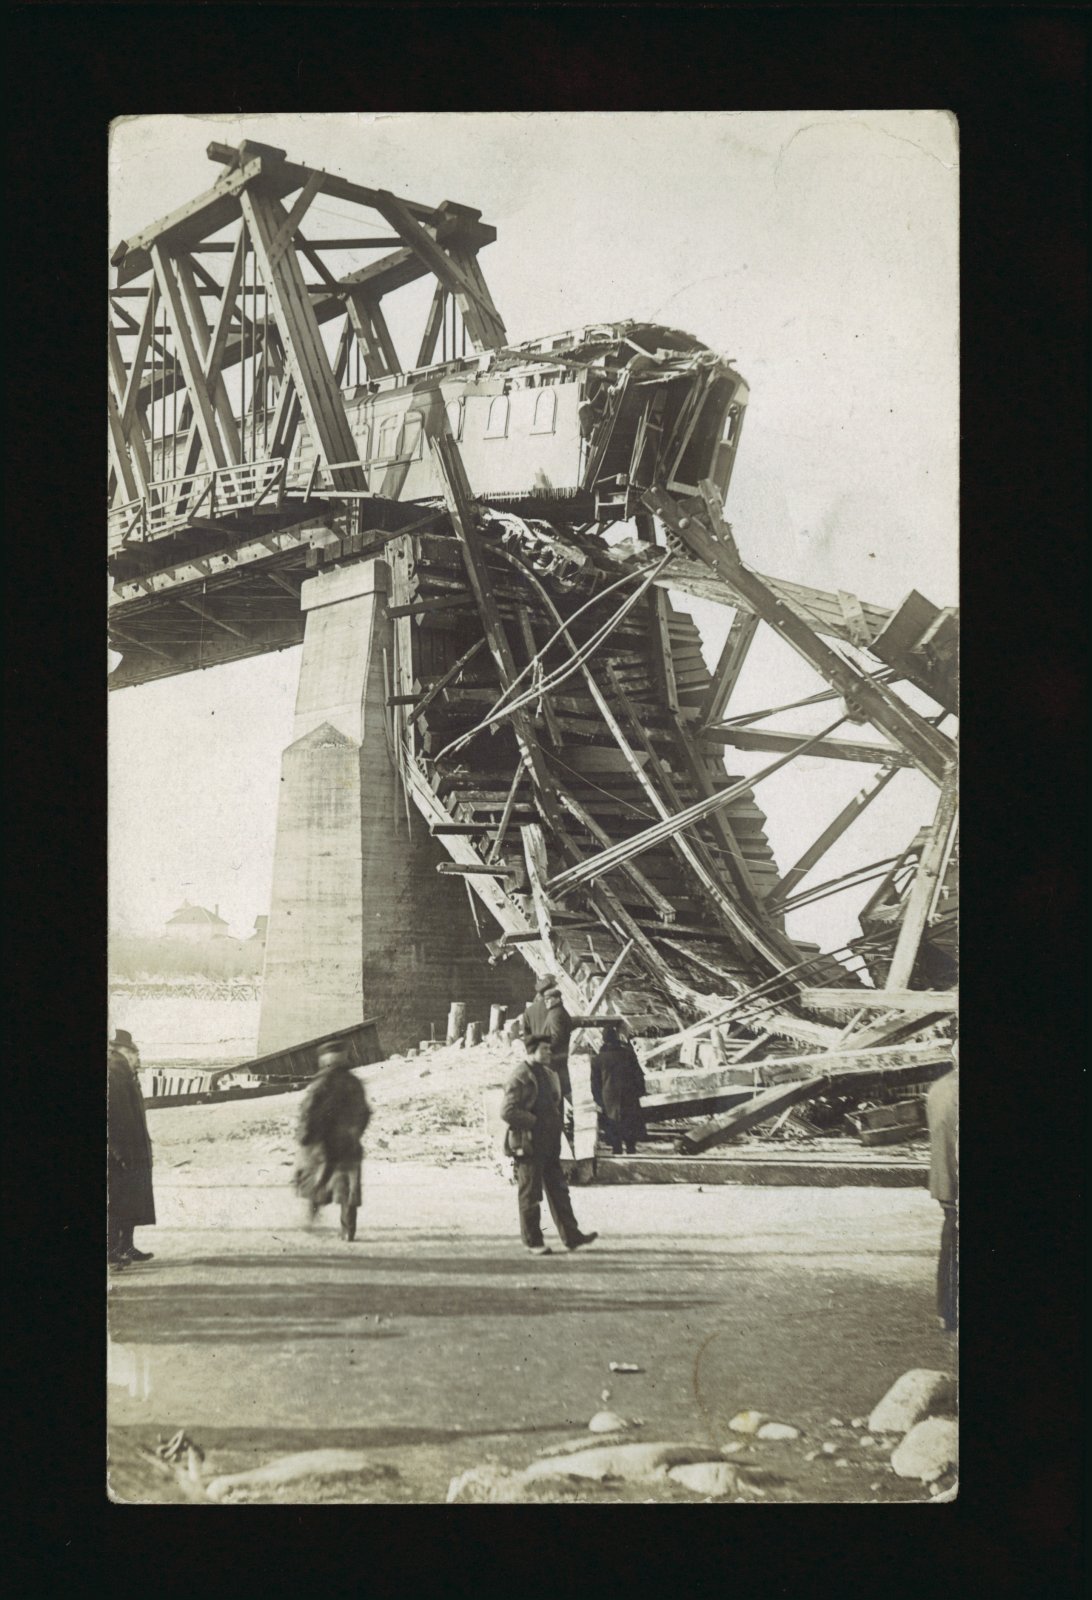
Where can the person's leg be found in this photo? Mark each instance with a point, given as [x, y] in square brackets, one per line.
[612, 1135]
[559, 1201]
[948, 1270]
[348, 1220]
[529, 1194]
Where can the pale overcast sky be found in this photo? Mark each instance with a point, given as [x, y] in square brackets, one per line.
[819, 250]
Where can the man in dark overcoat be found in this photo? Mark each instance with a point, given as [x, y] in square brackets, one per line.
[333, 1115]
[942, 1114]
[129, 1200]
[532, 1108]
[617, 1084]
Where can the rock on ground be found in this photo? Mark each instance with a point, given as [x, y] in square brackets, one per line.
[627, 1461]
[747, 1422]
[706, 1477]
[607, 1422]
[299, 1472]
[917, 1394]
[777, 1430]
[928, 1450]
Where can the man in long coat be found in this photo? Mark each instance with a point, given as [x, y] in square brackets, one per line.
[617, 1084]
[333, 1116]
[532, 1108]
[942, 1113]
[129, 1200]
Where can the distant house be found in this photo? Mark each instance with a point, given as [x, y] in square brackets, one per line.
[196, 924]
[258, 936]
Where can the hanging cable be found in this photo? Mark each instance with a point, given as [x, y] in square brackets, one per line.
[561, 674]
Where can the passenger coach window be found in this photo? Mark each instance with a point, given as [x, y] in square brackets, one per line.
[454, 410]
[497, 425]
[411, 435]
[545, 411]
[386, 445]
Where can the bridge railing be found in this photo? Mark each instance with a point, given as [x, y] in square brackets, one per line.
[172, 503]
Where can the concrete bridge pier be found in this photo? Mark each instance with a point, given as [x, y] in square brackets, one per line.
[361, 924]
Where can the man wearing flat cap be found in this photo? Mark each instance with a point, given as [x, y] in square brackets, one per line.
[532, 1108]
[546, 1015]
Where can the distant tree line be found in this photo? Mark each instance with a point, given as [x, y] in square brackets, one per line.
[132, 956]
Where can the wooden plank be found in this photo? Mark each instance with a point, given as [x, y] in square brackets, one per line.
[465, 870]
[929, 1062]
[923, 893]
[506, 814]
[601, 992]
[912, 1002]
[534, 851]
[659, 604]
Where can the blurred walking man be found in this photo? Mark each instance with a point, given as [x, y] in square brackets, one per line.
[333, 1116]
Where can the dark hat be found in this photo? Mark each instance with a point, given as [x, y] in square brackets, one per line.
[533, 1040]
[548, 982]
[334, 1051]
[123, 1037]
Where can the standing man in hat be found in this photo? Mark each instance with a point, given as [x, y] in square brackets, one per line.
[532, 1108]
[546, 1015]
[130, 1203]
[333, 1116]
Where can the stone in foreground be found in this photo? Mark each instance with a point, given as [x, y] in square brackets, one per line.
[630, 1462]
[706, 1477]
[777, 1430]
[928, 1450]
[917, 1394]
[310, 1467]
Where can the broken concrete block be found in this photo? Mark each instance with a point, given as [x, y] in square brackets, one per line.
[607, 1422]
[777, 1430]
[308, 1468]
[631, 1462]
[706, 1477]
[918, 1393]
[929, 1449]
[747, 1421]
